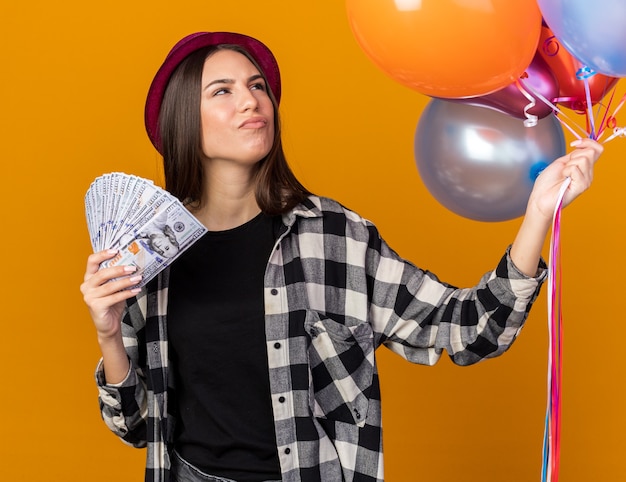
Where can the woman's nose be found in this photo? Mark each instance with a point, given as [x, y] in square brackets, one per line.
[248, 101]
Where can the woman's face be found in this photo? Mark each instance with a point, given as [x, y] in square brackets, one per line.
[163, 245]
[236, 111]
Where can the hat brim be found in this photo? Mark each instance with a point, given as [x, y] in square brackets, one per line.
[185, 47]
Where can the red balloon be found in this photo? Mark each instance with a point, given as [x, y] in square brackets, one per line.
[512, 101]
[570, 74]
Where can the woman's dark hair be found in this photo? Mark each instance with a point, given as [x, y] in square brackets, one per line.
[277, 188]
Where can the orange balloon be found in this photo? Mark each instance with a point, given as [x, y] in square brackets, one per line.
[448, 48]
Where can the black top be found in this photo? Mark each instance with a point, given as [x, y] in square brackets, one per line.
[216, 330]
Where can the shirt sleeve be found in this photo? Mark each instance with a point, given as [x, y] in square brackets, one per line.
[123, 406]
[418, 316]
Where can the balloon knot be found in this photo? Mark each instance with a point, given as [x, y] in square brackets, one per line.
[585, 73]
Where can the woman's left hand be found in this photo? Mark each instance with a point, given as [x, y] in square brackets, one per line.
[577, 165]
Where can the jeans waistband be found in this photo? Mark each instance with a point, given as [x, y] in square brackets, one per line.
[183, 471]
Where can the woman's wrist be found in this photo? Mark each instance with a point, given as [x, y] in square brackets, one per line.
[114, 359]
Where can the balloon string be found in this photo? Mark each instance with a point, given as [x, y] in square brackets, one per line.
[531, 119]
[556, 110]
[605, 118]
[583, 74]
[557, 368]
[552, 428]
[617, 131]
[619, 106]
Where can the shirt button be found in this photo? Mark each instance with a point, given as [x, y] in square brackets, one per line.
[274, 291]
[281, 399]
[287, 451]
[277, 345]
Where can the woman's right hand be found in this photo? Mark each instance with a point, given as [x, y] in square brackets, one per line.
[105, 292]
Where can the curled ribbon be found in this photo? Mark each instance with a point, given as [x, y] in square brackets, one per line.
[555, 109]
[617, 132]
[531, 119]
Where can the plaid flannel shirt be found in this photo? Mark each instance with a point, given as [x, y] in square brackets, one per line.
[334, 292]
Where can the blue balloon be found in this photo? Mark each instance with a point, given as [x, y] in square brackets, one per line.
[593, 31]
[482, 164]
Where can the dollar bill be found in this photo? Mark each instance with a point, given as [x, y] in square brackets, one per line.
[147, 226]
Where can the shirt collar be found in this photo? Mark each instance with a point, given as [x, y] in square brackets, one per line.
[309, 208]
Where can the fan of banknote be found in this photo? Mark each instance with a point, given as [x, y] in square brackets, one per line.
[147, 225]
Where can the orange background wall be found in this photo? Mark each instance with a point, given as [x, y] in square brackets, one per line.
[72, 86]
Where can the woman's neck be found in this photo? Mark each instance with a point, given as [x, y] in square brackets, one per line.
[227, 202]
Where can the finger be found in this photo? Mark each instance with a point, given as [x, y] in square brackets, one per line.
[108, 296]
[588, 144]
[123, 296]
[101, 306]
[96, 259]
[106, 275]
[118, 284]
[574, 172]
[580, 181]
[111, 290]
[584, 161]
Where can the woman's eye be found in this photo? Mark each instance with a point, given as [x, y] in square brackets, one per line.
[221, 91]
[258, 86]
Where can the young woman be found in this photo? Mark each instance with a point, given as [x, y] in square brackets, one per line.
[252, 358]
